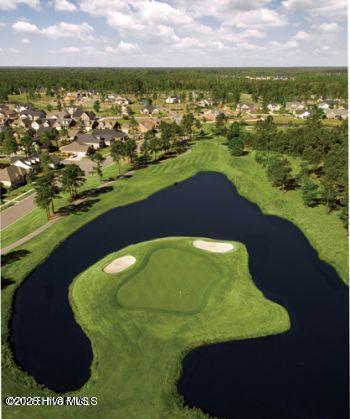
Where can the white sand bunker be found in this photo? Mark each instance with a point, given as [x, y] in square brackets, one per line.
[215, 247]
[120, 264]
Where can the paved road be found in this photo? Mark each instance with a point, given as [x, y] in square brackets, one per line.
[26, 205]
[17, 211]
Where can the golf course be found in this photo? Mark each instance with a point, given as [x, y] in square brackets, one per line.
[142, 320]
[138, 323]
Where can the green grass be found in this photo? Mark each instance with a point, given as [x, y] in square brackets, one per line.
[324, 231]
[138, 353]
[169, 279]
[37, 217]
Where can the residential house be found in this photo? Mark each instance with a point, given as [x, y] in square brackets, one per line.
[118, 100]
[108, 136]
[274, 107]
[148, 125]
[211, 114]
[75, 149]
[172, 99]
[294, 106]
[150, 110]
[302, 114]
[68, 122]
[246, 107]
[12, 176]
[107, 124]
[336, 113]
[33, 114]
[90, 140]
[323, 105]
[204, 103]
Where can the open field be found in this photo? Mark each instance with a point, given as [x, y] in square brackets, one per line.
[322, 230]
[156, 340]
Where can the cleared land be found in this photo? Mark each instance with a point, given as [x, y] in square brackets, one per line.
[138, 353]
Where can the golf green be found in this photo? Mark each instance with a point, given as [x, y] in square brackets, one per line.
[171, 279]
[140, 327]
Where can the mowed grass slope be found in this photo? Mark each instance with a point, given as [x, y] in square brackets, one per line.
[170, 279]
[325, 231]
[138, 353]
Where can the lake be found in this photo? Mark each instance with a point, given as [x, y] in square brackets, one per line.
[299, 374]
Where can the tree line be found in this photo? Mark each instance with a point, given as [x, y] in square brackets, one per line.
[224, 84]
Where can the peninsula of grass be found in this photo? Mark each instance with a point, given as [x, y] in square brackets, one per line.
[142, 321]
[324, 231]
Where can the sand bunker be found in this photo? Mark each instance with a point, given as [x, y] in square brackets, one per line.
[215, 247]
[120, 264]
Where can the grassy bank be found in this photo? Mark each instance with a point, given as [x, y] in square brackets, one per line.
[324, 231]
[138, 352]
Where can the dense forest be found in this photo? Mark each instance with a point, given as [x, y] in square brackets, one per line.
[220, 83]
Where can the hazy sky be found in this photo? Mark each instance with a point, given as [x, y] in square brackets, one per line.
[173, 32]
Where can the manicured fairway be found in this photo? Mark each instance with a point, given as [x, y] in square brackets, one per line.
[171, 279]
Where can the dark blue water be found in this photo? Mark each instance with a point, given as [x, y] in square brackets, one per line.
[299, 374]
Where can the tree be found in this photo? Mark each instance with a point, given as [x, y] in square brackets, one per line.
[187, 124]
[72, 176]
[26, 143]
[130, 149]
[145, 148]
[97, 106]
[45, 161]
[309, 193]
[46, 190]
[233, 131]
[265, 134]
[220, 123]
[9, 143]
[328, 195]
[133, 128]
[118, 153]
[236, 147]
[279, 172]
[98, 159]
[151, 139]
[48, 137]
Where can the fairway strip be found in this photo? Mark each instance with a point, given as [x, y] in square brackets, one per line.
[215, 247]
[119, 264]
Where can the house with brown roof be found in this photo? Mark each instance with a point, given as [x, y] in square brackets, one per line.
[75, 149]
[246, 107]
[12, 176]
[148, 125]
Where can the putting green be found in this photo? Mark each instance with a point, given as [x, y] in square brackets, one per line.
[170, 279]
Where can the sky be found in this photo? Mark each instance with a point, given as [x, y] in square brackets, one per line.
[173, 33]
